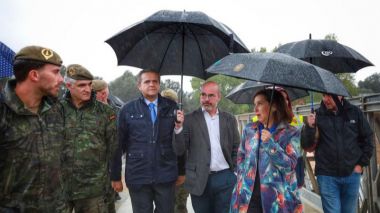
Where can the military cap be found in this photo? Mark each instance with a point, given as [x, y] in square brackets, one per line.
[37, 53]
[171, 94]
[98, 84]
[78, 72]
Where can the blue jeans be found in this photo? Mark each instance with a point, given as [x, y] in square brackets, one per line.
[339, 194]
[216, 197]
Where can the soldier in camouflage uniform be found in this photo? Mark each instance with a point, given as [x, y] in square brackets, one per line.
[91, 140]
[102, 92]
[31, 134]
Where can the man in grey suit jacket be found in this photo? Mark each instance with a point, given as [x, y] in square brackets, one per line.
[211, 138]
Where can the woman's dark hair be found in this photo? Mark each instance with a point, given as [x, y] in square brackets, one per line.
[22, 67]
[283, 112]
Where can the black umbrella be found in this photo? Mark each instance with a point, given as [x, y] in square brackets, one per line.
[328, 54]
[279, 69]
[243, 93]
[176, 43]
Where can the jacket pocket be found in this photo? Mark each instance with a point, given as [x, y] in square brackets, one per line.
[135, 162]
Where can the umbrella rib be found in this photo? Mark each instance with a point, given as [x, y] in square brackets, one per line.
[167, 48]
[199, 47]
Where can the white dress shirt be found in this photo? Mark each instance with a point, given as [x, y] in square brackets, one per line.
[218, 162]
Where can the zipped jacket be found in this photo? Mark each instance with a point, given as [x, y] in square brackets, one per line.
[148, 146]
[30, 147]
[90, 142]
[345, 140]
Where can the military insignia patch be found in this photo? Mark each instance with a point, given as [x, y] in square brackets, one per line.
[71, 71]
[47, 53]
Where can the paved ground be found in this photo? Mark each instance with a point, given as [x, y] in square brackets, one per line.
[124, 205]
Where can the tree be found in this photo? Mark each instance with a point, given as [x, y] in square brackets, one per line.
[226, 84]
[125, 87]
[370, 84]
[187, 104]
[331, 36]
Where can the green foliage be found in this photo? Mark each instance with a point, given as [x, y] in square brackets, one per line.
[331, 36]
[261, 50]
[125, 87]
[370, 84]
[226, 84]
[187, 104]
[348, 80]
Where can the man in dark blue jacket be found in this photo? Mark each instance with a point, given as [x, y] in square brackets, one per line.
[145, 129]
[342, 140]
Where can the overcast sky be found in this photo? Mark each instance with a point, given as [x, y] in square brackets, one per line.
[77, 29]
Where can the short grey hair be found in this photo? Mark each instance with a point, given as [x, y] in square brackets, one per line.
[69, 80]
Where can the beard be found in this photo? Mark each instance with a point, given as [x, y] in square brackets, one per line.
[50, 91]
[209, 107]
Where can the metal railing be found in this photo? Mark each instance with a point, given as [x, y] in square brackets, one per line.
[369, 195]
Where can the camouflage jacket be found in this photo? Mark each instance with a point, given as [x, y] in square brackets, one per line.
[30, 147]
[90, 143]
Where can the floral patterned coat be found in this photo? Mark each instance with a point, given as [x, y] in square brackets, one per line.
[278, 159]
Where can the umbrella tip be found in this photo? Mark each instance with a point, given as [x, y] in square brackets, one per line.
[309, 35]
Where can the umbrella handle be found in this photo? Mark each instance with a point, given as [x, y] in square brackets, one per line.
[179, 107]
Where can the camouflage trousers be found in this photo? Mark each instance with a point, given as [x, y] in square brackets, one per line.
[99, 204]
[180, 199]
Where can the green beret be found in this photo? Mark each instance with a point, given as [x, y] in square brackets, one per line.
[98, 85]
[41, 54]
[78, 72]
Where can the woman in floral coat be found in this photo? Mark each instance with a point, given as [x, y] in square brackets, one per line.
[266, 179]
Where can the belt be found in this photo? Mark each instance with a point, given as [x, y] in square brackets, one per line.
[216, 172]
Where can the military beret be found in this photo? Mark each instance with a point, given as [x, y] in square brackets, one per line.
[98, 84]
[78, 72]
[171, 94]
[41, 54]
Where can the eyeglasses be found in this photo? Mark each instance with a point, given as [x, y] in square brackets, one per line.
[209, 96]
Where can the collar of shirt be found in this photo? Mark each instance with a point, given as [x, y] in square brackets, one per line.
[205, 113]
[148, 102]
[155, 103]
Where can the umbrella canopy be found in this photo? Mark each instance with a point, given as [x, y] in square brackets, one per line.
[243, 93]
[175, 43]
[328, 54]
[279, 69]
[6, 61]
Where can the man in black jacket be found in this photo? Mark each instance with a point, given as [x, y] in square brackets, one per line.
[342, 140]
[145, 129]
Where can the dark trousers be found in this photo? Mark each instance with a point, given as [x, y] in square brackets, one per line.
[162, 194]
[216, 197]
